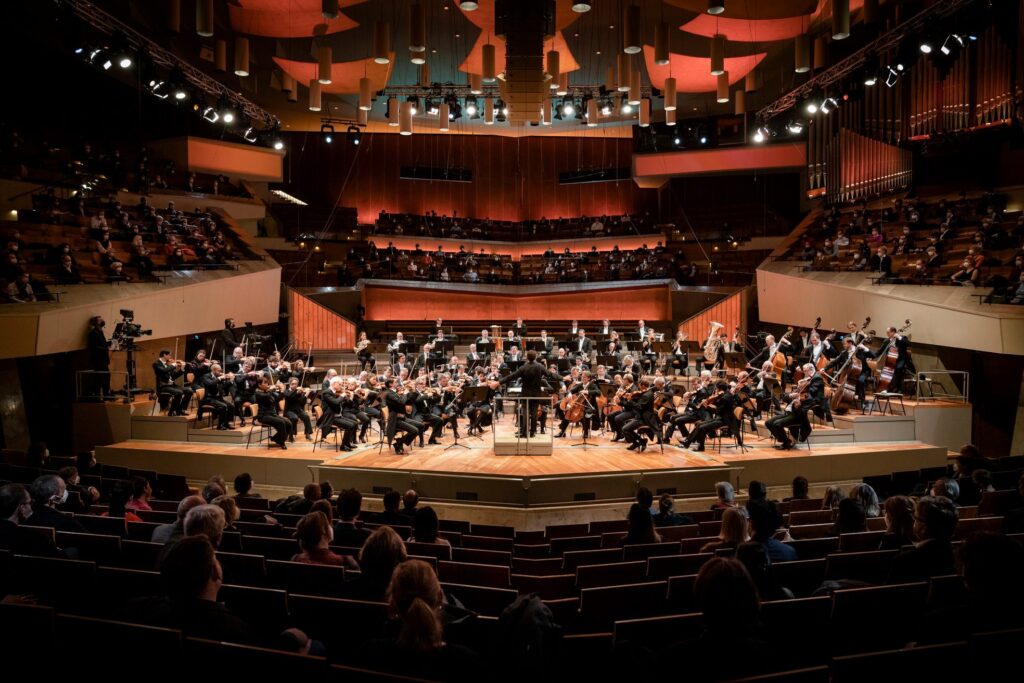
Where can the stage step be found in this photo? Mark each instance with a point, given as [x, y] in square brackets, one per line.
[235, 437]
[508, 444]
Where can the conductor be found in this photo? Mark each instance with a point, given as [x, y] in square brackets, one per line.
[531, 374]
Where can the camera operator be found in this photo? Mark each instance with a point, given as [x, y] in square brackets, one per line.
[99, 355]
[227, 335]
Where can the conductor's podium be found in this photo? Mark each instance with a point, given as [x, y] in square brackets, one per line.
[510, 444]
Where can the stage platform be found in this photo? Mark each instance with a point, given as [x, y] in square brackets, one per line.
[602, 472]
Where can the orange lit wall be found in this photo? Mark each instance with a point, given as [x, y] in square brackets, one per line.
[518, 249]
[513, 178]
[395, 303]
[216, 156]
[657, 166]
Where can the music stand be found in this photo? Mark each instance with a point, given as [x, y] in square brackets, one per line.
[608, 361]
[486, 348]
[564, 364]
[735, 360]
[536, 345]
[445, 348]
[471, 395]
[513, 365]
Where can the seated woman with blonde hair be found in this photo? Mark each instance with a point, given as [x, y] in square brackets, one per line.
[314, 534]
[733, 533]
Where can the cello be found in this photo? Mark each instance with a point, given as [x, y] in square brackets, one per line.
[844, 390]
[779, 360]
[887, 367]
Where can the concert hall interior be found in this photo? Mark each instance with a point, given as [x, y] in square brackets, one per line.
[437, 340]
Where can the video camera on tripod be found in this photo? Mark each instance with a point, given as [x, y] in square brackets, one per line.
[128, 329]
[123, 339]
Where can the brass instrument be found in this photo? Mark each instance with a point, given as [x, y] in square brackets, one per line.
[361, 344]
[713, 345]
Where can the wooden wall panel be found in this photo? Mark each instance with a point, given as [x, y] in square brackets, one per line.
[314, 326]
[513, 178]
[728, 312]
[393, 303]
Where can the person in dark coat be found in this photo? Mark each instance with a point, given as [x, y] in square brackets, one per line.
[935, 520]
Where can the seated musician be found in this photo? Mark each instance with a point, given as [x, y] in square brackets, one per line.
[512, 355]
[519, 329]
[395, 345]
[484, 338]
[680, 359]
[606, 327]
[694, 410]
[629, 366]
[613, 351]
[549, 343]
[337, 414]
[166, 372]
[642, 406]
[812, 390]
[424, 359]
[400, 364]
[720, 406]
[198, 367]
[851, 350]
[246, 380]
[215, 396]
[581, 364]
[617, 421]
[904, 363]
[364, 357]
[512, 341]
[762, 389]
[620, 343]
[648, 355]
[474, 358]
[479, 412]
[234, 363]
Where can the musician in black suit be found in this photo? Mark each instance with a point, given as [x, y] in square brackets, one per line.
[606, 327]
[904, 363]
[549, 343]
[214, 397]
[397, 420]
[484, 338]
[246, 380]
[574, 328]
[531, 375]
[227, 335]
[295, 400]
[722, 416]
[475, 358]
[99, 354]
[580, 344]
[519, 329]
[795, 417]
[851, 350]
[401, 364]
[424, 359]
[267, 398]
[512, 340]
[334, 405]
[642, 406]
[177, 397]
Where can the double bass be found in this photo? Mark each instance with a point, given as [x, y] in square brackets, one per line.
[779, 360]
[844, 391]
[887, 367]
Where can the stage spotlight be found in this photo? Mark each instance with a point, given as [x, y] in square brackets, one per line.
[795, 127]
[415, 104]
[210, 114]
[627, 108]
[810, 106]
[829, 105]
[159, 89]
[703, 140]
[431, 107]
[677, 141]
[227, 112]
[568, 108]
[278, 143]
[327, 131]
[716, 6]
[354, 135]
[953, 40]
[606, 108]
[759, 135]
[125, 61]
[926, 46]
[870, 79]
[250, 134]
[891, 76]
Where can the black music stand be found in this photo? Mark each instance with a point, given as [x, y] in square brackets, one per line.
[486, 348]
[735, 360]
[608, 361]
[584, 444]
[374, 349]
[563, 364]
[471, 395]
[536, 345]
[445, 348]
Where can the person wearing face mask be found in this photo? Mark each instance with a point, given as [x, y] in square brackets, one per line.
[314, 534]
[15, 509]
[87, 495]
[99, 354]
[49, 491]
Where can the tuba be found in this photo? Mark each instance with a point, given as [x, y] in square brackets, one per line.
[713, 344]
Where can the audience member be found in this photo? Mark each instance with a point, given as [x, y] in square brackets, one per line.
[347, 533]
[231, 511]
[207, 520]
[800, 488]
[764, 520]
[315, 535]
[120, 496]
[243, 486]
[49, 491]
[733, 531]
[868, 499]
[899, 523]
[726, 496]
[409, 502]
[141, 493]
[15, 508]
[392, 500]
[641, 527]
[759, 566]
[168, 533]
[833, 495]
[666, 515]
[299, 504]
[850, 518]
[935, 520]
[382, 552]
[426, 527]
[946, 488]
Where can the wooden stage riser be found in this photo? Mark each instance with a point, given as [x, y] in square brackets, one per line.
[202, 466]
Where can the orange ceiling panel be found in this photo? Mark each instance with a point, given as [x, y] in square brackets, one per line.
[693, 74]
[344, 75]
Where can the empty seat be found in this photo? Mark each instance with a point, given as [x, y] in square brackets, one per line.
[99, 548]
[564, 530]
[66, 585]
[691, 546]
[250, 662]
[271, 548]
[810, 531]
[241, 569]
[903, 664]
[341, 624]
[494, 530]
[800, 517]
[623, 602]
[614, 574]
[548, 566]
[608, 526]
[814, 548]
[642, 551]
[474, 574]
[485, 600]
[946, 591]
[657, 632]
[551, 587]
[441, 551]
[966, 527]
[870, 567]
[662, 567]
[131, 645]
[266, 608]
[95, 524]
[680, 594]
[802, 504]
[565, 544]
[860, 541]
[118, 586]
[477, 556]
[856, 626]
[802, 621]
[488, 543]
[801, 576]
[577, 558]
[677, 533]
[310, 579]
[140, 554]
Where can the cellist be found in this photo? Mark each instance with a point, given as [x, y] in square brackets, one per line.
[853, 349]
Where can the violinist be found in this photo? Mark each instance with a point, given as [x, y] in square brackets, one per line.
[166, 371]
[246, 380]
[762, 389]
[198, 367]
[479, 412]
[618, 420]
[334, 402]
[680, 359]
[295, 400]
[397, 422]
[425, 409]
[810, 396]
[853, 350]
[267, 398]
[369, 407]
[720, 406]
[695, 411]
[215, 387]
[234, 363]
[642, 407]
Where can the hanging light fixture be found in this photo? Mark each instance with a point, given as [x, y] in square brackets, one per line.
[442, 118]
[661, 44]
[717, 54]
[469, 5]
[393, 111]
[325, 57]
[716, 6]
[362, 117]
[365, 95]
[424, 75]
[752, 82]
[840, 19]
[405, 118]
[670, 117]
[723, 88]
[563, 85]
[287, 83]
[417, 28]
[645, 113]
[802, 53]
[293, 94]
[382, 43]
[670, 94]
[580, 7]
[241, 56]
[220, 55]
[631, 43]
[820, 53]
[741, 103]
[488, 111]
[634, 96]
[547, 111]
[609, 79]
[329, 9]
[314, 95]
[489, 75]
[624, 71]
[591, 112]
[476, 84]
[204, 18]
[554, 68]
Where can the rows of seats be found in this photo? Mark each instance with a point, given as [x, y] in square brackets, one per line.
[433, 225]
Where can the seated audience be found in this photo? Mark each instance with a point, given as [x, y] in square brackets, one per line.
[641, 527]
[868, 499]
[799, 491]
[120, 497]
[666, 515]
[15, 508]
[733, 531]
[935, 520]
[392, 500]
[168, 533]
[380, 554]
[726, 496]
[141, 493]
[759, 566]
[299, 504]
[764, 520]
[899, 523]
[850, 518]
[347, 533]
[49, 491]
[425, 527]
[315, 535]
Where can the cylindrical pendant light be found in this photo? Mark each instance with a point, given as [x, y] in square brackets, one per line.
[645, 113]
[442, 118]
[554, 68]
[489, 75]
[476, 84]
[220, 55]
[488, 111]
[820, 53]
[405, 118]
[723, 88]
[287, 82]
[717, 54]
[752, 82]
[634, 95]
[563, 85]
[592, 112]
[468, 6]
[871, 11]
[362, 116]
[609, 79]
[631, 33]
[670, 94]
[418, 58]
[840, 19]
[417, 28]
[802, 54]
[741, 102]
[314, 95]
[241, 56]
[204, 18]
[670, 117]
[293, 94]
[329, 8]
[393, 111]
[325, 58]
[625, 65]
[716, 6]
[424, 75]
[661, 44]
[547, 112]
[365, 95]
[382, 43]
[174, 16]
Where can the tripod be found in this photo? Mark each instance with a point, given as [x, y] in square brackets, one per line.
[586, 432]
[129, 348]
